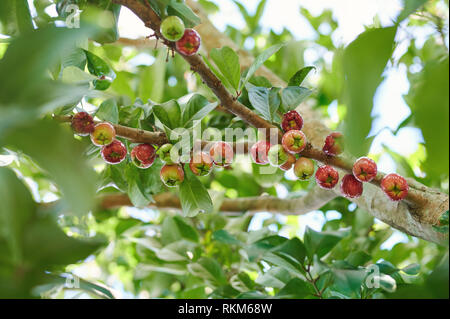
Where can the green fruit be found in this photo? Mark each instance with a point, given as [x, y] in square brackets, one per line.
[172, 28]
[277, 155]
[164, 153]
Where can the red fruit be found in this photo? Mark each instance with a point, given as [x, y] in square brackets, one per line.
[334, 144]
[201, 164]
[304, 168]
[290, 162]
[114, 153]
[143, 155]
[190, 42]
[83, 124]
[103, 134]
[351, 187]
[395, 186]
[259, 152]
[292, 121]
[365, 169]
[327, 177]
[294, 141]
[222, 154]
[172, 175]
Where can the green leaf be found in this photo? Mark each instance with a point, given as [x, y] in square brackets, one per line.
[108, 111]
[358, 258]
[196, 109]
[300, 75]
[292, 96]
[364, 62]
[348, 282]
[181, 10]
[169, 114]
[176, 228]
[412, 269]
[73, 75]
[259, 61]
[15, 17]
[265, 101]
[227, 61]
[321, 243]
[409, 7]
[295, 289]
[193, 196]
[98, 67]
[209, 270]
[225, 237]
[58, 153]
[275, 277]
[136, 191]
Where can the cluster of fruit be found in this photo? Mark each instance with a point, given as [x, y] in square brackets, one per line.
[294, 142]
[187, 41]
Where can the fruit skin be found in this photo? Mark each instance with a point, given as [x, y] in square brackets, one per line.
[222, 154]
[201, 164]
[259, 152]
[277, 155]
[327, 177]
[172, 175]
[190, 42]
[334, 144]
[294, 141]
[143, 155]
[365, 169]
[164, 153]
[395, 186]
[103, 134]
[83, 123]
[304, 168]
[351, 187]
[172, 28]
[290, 162]
[114, 153]
[292, 120]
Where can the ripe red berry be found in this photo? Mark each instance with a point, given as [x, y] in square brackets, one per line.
[365, 169]
[172, 28]
[290, 162]
[334, 144]
[292, 120]
[143, 155]
[222, 154]
[172, 175]
[83, 124]
[103, 134]
[277, 155]
[190, 42]
[327, 177]
[114, 153]
[201, 164]
[304, 168]
[259, 152]
[294, 141]
[351, 187]
[395, 186]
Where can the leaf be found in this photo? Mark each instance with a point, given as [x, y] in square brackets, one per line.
[176, 228]
[259, 61]
[225, 237]
[73, 75]
[348, 282]
[227, 61]
[58, 153]
[169, 114]
[292, 96]
[265, 101]
[136, 191]
[108, 111]
[387, 283]
[98, 67]
[193, 196]
[364, 62]
[321, 243]
[295, 289]
[15, 17]
[412, 269]
[275, 277]
[300, 75]
[196, 109]
[181, 10]
[208, 269]
[409, 7]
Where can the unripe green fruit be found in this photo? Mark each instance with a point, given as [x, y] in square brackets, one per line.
[172, 28]
[304, 168]
[277, 155]
[164, 153]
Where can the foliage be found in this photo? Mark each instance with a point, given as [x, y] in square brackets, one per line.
[203, 252]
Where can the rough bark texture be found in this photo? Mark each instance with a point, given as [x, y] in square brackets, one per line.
[415, 215]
